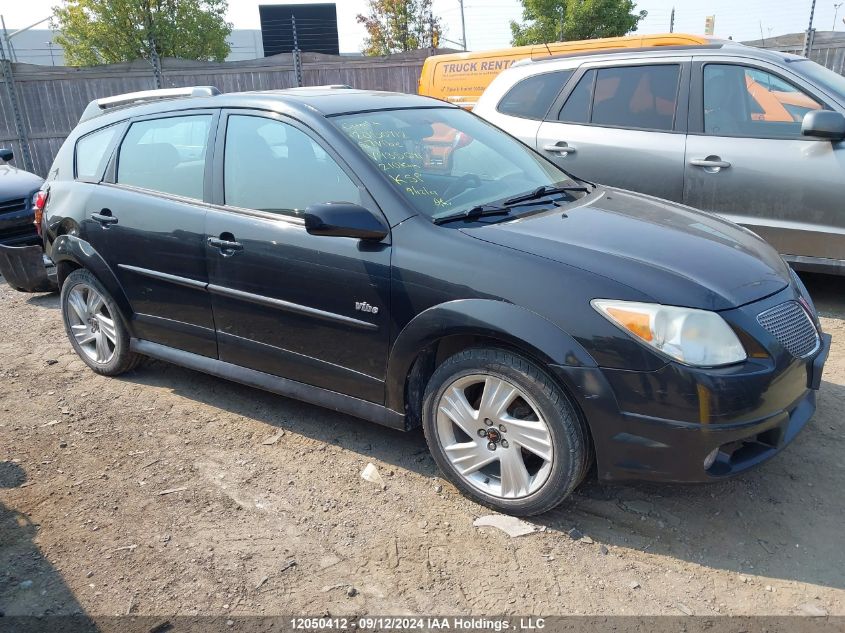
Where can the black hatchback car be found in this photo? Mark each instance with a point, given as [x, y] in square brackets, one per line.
[401, 260]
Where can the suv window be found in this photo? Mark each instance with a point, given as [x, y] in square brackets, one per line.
[272, 166]
[531, 98]
[577, 106]
[638, 97]
[91, 155]
[166, 155]
[744, 101]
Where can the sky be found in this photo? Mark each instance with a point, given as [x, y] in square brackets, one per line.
[487, 20]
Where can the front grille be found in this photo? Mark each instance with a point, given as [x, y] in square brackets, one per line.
[790, 324]
[17, 204]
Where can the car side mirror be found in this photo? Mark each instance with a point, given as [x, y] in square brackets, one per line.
[824, 124]
[344, 219]
[6, 155]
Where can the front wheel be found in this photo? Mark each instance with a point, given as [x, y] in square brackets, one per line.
[94, 325]
[504, 432]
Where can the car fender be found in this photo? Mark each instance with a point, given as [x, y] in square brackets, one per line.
[70, 248]
[512, 324]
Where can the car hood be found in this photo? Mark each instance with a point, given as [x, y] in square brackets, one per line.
[673, 254]
[16, 183]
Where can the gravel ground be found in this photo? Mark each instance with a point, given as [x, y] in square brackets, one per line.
[166, 491]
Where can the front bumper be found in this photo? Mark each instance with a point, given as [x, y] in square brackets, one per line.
[662, 425]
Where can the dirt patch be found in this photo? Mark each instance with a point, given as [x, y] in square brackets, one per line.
[159, 493]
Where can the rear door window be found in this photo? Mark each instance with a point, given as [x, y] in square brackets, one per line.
[577, 106]
[634, 97]
[91, 156]
[531, 98]
[166, 155]
[640, 97]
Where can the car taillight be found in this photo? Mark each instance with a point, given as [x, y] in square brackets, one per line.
[39, 201]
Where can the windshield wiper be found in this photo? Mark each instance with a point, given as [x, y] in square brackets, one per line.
[504, 208]
[543, 192]
[482, 210]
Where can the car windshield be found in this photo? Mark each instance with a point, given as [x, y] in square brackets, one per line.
[833, 82]
[446, 160]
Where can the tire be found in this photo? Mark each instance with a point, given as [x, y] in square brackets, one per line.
[95, 326]
[500, 390]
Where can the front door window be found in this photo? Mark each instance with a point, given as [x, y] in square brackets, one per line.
[753, 103]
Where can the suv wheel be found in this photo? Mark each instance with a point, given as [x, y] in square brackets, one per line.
[504, 432]
[94, 326]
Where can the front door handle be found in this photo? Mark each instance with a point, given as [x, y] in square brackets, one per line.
[713, 163]
[104, 218]
[227, 247]
[560, 148]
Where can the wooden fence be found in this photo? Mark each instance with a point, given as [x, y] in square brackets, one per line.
[53, 98]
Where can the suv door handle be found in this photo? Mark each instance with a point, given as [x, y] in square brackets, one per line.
[104, 218]
[560, 148]
[227, 247]
[712, 162]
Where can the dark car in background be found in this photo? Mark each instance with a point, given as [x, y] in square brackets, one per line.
[315, 243]
[17, 190]
[22, 261]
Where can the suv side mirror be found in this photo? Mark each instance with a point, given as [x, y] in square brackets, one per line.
[824, 124]
[344, 219]
[6, 154]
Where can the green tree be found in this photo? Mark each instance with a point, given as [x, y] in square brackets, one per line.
[565, 20]
[395, 26]
[108, 31]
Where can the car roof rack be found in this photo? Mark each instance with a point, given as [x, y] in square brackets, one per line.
[715, 43]
[98, 106]
[324, 87]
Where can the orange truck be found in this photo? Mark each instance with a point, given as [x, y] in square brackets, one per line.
[461, 77]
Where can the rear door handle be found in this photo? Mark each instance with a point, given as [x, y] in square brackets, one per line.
[227, 247]
[104, 218]
[712, 162]
[560, 148]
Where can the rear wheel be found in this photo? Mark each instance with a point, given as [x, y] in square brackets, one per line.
[504, 432]
[94, 326]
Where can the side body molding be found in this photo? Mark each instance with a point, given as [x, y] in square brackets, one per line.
[511, 324]
[69, 248]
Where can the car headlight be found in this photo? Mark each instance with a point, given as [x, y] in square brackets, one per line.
[693, 337]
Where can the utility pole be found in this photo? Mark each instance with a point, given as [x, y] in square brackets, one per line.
[156, 62]
[9, 80]
[154, 59]
[12, 54]
[297, 59]
[463, 26]
[432, 42]
[808, 37]
[560, 33]
[836, 6]
[672, 21]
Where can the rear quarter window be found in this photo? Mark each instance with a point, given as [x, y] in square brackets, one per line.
[532, 97]
[92, 153]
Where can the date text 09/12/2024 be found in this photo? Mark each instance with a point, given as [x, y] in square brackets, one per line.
[380, 623]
